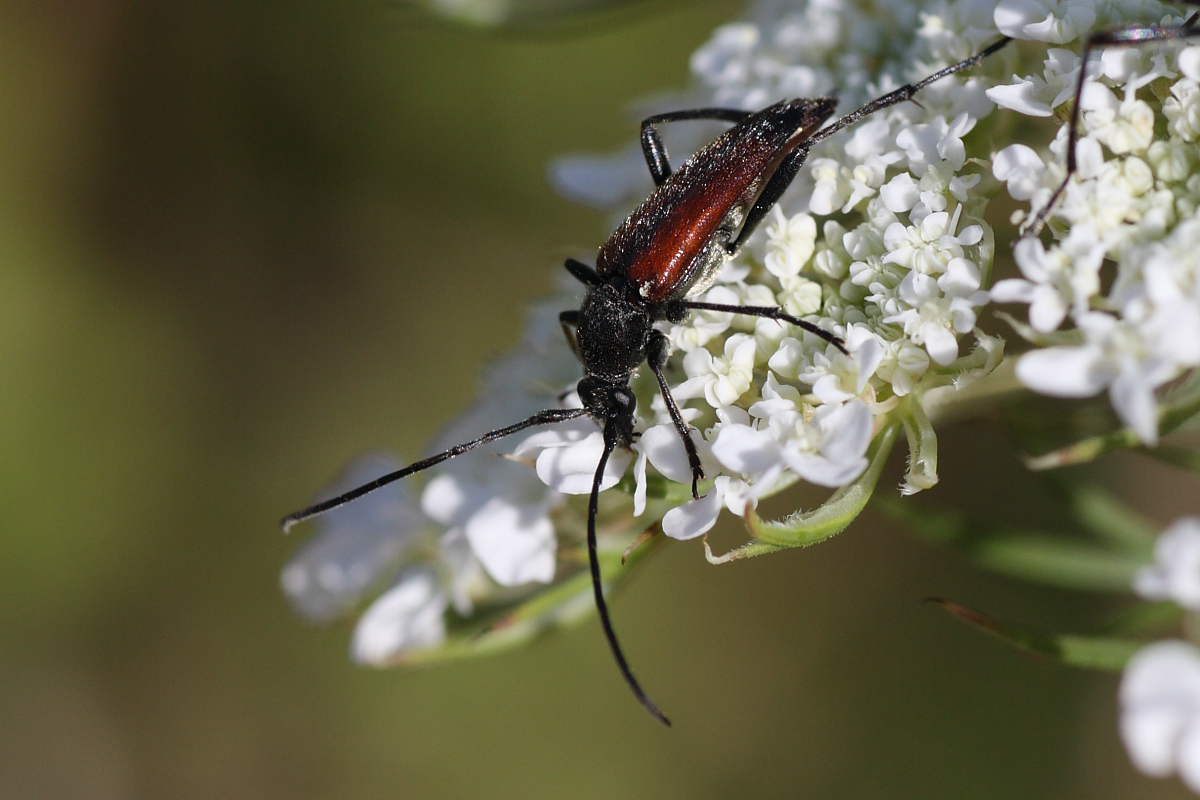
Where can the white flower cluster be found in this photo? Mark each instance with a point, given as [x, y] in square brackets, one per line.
[896, 269]
[1160, 691]
[881, 238]
[481, 523]
[1133, 204]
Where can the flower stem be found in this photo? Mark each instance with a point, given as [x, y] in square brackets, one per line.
[955, 402]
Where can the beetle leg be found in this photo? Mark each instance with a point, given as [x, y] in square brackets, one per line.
[905, 92]
[657, 350]
[771, 193]
[569, 320]
[791, 165]
[652, 144]
[1101, 40]
[582, 272]
[770, 312]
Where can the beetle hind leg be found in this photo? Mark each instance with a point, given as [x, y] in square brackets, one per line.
[771, 193]
[905, 92]
[652, 144]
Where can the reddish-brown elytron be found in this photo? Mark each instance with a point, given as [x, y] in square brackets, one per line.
[689, 224]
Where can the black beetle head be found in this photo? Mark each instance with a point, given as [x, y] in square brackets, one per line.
[610, 403]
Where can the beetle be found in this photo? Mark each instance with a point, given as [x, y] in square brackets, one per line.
[666, 252]
[1130, 36]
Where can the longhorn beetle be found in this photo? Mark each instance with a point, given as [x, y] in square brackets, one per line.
[664, 253]
[1131, 36]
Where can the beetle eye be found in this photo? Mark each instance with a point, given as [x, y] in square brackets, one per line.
[624, 400]
[589, 391]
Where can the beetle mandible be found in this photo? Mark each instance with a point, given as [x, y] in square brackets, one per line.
[666, 252]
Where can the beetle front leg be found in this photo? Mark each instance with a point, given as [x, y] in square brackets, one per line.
[769, 312]
[652, 144]
[657, 350]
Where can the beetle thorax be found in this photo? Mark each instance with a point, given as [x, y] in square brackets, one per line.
[612, 333]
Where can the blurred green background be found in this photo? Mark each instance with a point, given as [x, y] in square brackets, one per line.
[243, 243]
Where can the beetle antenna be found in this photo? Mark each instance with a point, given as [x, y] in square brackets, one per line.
[610, 442]
[541, 418]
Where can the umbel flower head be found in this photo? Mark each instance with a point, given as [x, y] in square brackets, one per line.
[1132, 213]
[888, 238]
